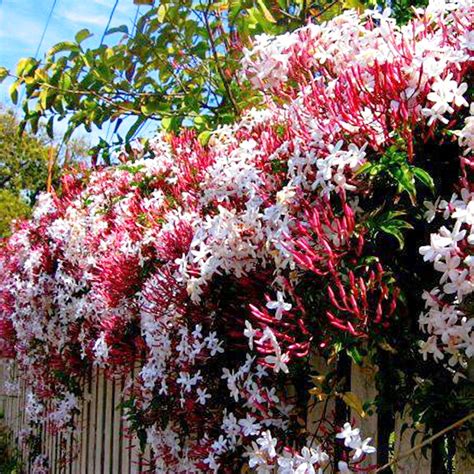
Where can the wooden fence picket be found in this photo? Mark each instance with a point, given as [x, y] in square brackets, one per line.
[108, 424]
[99, 417]
[464, 461]
[363, 387]
[128, 443]
[319, 408]
[119, 457]
[85, 429]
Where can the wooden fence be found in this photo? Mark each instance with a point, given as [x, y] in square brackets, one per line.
[105, 447]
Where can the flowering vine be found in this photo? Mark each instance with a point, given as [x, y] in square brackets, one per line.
[217, 269]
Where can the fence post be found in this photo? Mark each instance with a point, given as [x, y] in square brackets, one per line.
[363, 387]
[121, 454]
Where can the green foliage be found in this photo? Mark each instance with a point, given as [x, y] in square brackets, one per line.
[12, 206]
[24, 162]
[23, 159]
[9, 461]
[402, 9]
[395, 165]
[391, 223]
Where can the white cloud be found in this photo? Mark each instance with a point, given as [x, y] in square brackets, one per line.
[96, 12]
[28, 35]
[84, 19]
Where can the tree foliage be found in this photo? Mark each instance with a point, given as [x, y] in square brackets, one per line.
[27, 163]
[23, 170]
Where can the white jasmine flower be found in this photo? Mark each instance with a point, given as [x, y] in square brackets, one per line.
[343, 468]
[278, 362]
[203, 396]
[361, 447]
[267, 443]
[249, 425]
[348, 434]
[249, 332]
[279, 305]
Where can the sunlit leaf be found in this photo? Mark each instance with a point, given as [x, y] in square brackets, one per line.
[25, 66]
[82, 35]
[266, 12]
[354, 402]
[3, 73]
[424, 177]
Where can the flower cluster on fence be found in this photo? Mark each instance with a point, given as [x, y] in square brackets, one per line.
[219, 268]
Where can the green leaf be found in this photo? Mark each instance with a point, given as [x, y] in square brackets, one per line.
[266, 12]
[256, 22]
[63, 46]
[390, 223]
[235, 6]
[3, 73]
[204, 137]
[199, 120]
[118, 29]
[395, 232]
[166, 123]
[424, 177]
[25, 66]
[355, 355]
[34, 121]
[354, 4]
[405, 179]
[102, 71]
[13, 92]
[153, 107]
[46, 98]
[82, 35]
[162, 11]
[49, 128]
[366, 167]
[134, 128]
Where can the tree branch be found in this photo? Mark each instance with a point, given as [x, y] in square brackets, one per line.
[222, 75]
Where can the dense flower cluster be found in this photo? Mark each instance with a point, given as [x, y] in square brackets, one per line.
[448, 319]
[450, 250]
[196, 262]
[264, 457]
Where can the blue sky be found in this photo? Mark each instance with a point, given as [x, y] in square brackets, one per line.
[22, 23]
